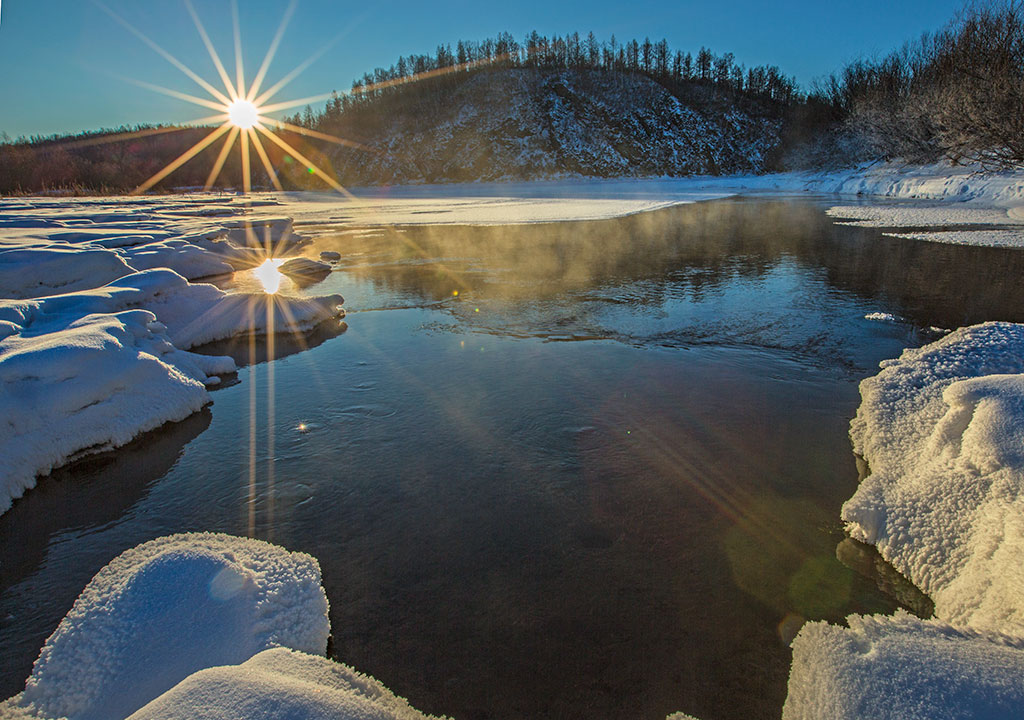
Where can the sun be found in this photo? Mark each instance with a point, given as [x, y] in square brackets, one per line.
[243, 114]
[243, 109]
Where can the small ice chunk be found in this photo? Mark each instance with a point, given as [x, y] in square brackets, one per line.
[304, 268]
[882, 317]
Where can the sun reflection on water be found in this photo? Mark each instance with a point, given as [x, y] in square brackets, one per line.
[269, 275]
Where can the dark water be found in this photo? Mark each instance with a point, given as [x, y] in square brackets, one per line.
[585, 469]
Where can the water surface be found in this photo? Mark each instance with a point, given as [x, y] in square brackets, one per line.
[566, 470]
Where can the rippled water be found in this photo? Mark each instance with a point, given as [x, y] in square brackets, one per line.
[585, 469]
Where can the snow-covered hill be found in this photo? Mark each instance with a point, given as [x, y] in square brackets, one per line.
[529, 123]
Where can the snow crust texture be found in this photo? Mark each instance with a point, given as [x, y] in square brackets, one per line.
[942, 428]
[279, 683]
[169, 608]
[903, 667]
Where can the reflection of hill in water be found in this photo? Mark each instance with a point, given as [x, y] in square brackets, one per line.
[688, 252]
[719, 272]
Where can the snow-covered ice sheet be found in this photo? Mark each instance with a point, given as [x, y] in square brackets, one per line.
[279, 683]
[78, 380]
[903, 668]
[1001, 238]
[169, 608]
[94, 369]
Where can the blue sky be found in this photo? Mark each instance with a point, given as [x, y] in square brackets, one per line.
[63, 62]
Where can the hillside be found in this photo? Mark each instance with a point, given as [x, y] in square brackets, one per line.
[525, 123]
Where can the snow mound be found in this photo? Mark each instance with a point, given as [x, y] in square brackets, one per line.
[166, 609]
[942, 429]
[27, 272]
[903, 668]
[279, 683]
[75, 381]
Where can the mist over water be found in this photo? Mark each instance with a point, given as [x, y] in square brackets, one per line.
[562, 470]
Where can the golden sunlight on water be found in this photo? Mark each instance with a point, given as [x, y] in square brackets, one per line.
[269, 276]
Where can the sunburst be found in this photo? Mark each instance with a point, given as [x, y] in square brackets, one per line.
[242, 112]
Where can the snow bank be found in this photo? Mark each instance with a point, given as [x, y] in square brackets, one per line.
[172, 607]
[904, 668]
[279, 683]
[27, 272]
[942, 429]
[78, 380]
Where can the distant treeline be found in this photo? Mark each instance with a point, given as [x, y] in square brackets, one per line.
[956, 94]
[653, 59]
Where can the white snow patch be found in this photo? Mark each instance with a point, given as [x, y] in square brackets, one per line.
[279, 683]
[904, 668]
[896, 216]
[172, 607]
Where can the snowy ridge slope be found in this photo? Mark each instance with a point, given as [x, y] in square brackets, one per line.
[523, 123]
